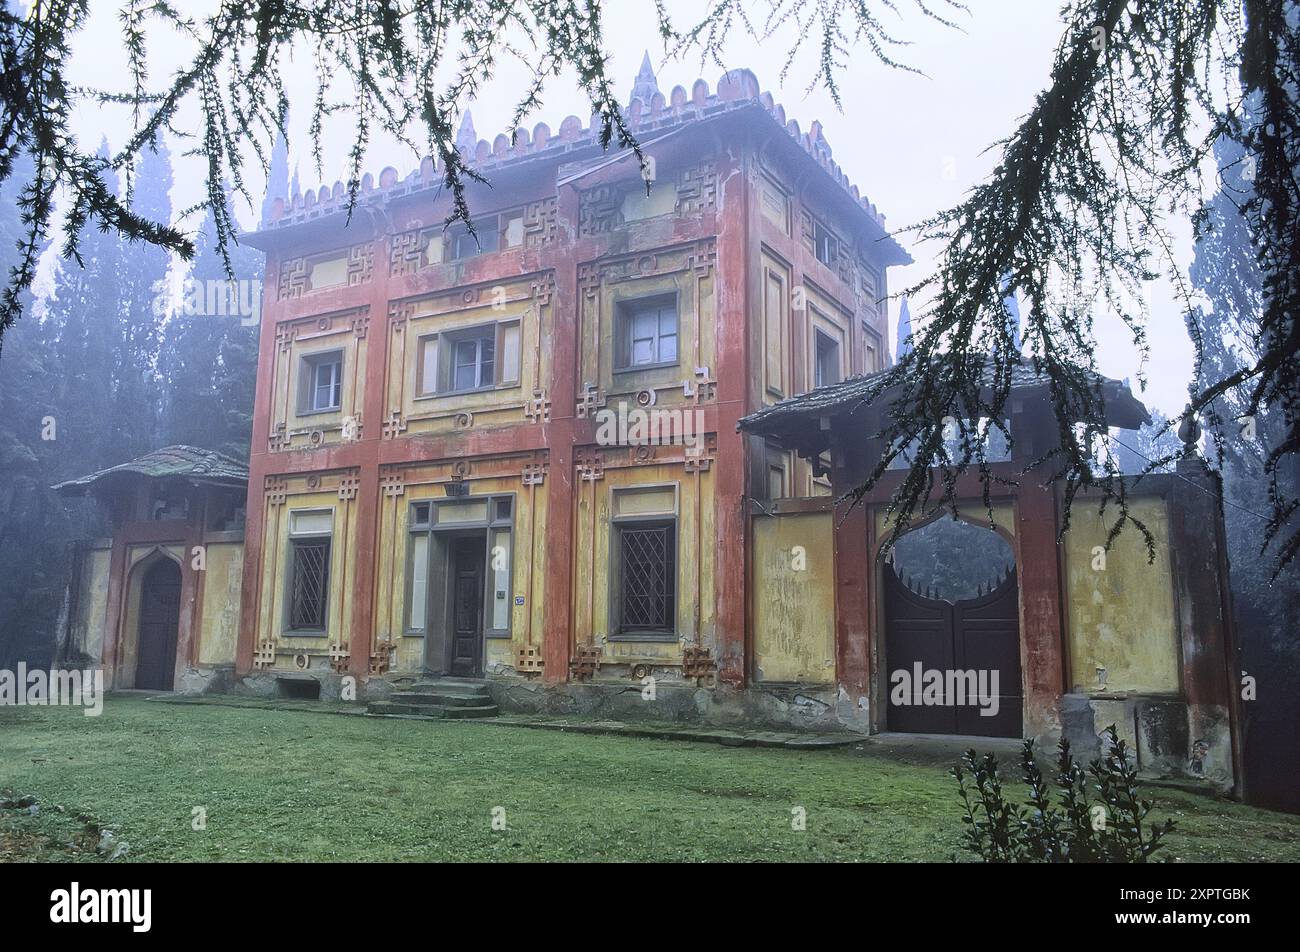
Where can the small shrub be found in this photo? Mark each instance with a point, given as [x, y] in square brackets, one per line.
[1075, 829]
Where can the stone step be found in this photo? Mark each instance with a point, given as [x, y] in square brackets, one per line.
[443, 698]
[450, 686]
[431, 710]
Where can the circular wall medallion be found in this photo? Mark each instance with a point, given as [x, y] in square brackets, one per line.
[313, 481]
[316, 438]
[464, 420]
[301, 660]
[646, 398]
[470, 296]
[461, 467]
[323, 323]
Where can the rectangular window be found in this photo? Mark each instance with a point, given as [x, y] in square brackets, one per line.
[776, 482]
[826, 246]
[646, 333]
[871, 360]
[775, 303]
[321, 382]
[462, 360]
[491, 233]
[309, 556]
[826, 369]
[419, 586]
[776, 473]
[469, 362]
[647, 577]
[462, 244]
[426, 382]
[499, 557]
[508, 351]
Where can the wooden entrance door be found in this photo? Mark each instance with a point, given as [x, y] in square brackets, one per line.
[467, 607]
[978, 634]
[160, 605]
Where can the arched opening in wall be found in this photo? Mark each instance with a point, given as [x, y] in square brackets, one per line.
[159, 617]
[952, 632]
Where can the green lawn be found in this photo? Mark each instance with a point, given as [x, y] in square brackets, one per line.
[285, 785]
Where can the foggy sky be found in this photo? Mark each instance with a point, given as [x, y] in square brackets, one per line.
[913, 144]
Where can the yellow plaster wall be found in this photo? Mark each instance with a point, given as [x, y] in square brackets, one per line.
[275, 569]
[794, 598]
[686, 270]
[1121, 617]
[526, 300]
[301, 338]
[219, 618]
[528, 558]
[88, 627]
[696, 557]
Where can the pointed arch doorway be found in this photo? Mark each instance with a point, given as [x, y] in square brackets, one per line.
[160, 604]
[952, 632]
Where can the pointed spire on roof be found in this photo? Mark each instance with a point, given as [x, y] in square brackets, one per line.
[466, 138]
[645, 86]
[903, 344]
[277, 176]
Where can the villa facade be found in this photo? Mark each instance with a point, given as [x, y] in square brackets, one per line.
[591, 454]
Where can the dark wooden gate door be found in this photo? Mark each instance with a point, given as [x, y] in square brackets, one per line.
[978, 634]
[160, 603]
[467, 608]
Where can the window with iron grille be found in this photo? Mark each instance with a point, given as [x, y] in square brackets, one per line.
[307, 596]
[647, 577]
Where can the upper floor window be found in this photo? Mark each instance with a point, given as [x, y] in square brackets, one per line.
[826, 367]
[646, 333]
[473, 361]
[826, 247]
[871, 361]
[321, 388]
[469, 359]
[491, 233]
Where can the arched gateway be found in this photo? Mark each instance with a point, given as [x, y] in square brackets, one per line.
[952, 632]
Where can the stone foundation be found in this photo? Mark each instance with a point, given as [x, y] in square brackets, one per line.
[1170, 738]
[785, 707]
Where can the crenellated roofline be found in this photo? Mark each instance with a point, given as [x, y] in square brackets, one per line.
[737, 91]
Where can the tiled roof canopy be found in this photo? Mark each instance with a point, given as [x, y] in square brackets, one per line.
[795, 423]
[737, 90]
[184, 462]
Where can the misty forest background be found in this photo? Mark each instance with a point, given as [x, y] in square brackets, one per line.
[108, 357]
[121, 376]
